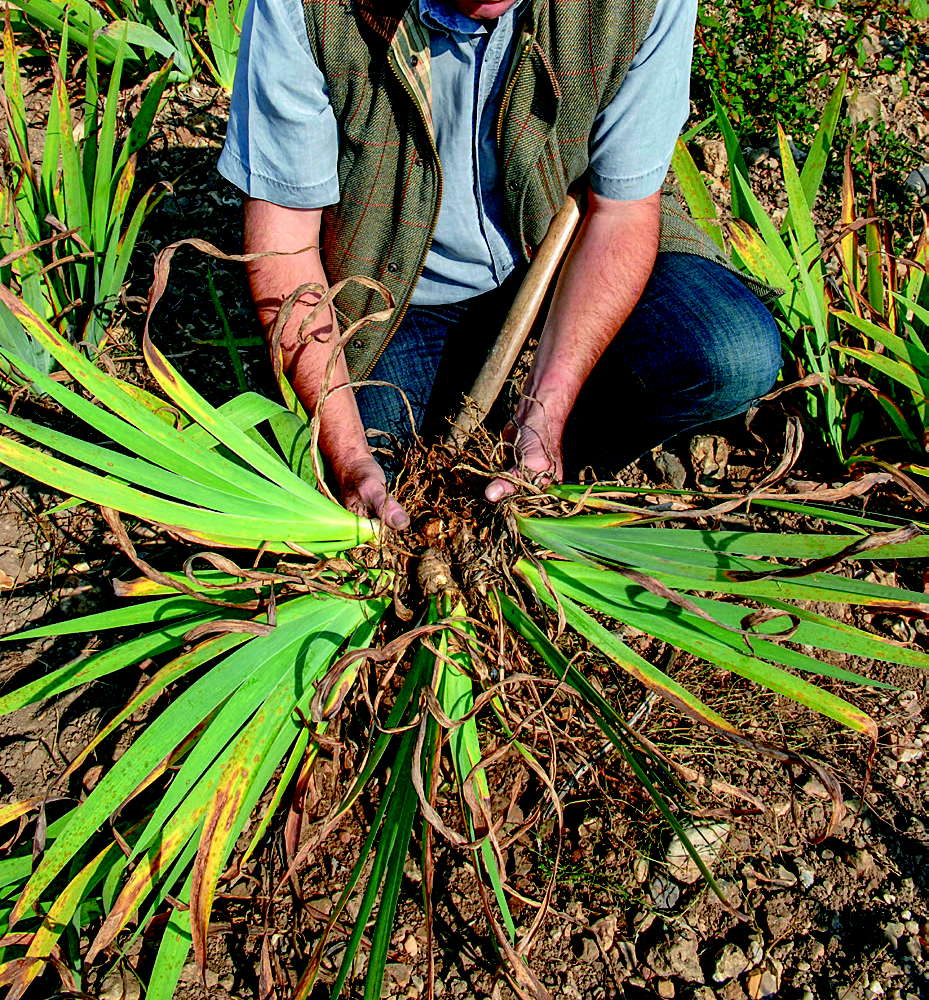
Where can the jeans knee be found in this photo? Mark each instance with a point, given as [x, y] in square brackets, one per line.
[751, 359]
[760, 363]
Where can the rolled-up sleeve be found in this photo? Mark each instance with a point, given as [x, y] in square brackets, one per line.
[282, 141]
[634, 136]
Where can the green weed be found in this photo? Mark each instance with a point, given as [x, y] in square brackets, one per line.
[66, 229]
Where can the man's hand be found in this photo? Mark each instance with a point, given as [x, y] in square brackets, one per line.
[538, 450]
[604, 275]
[363, 489]
[361, 482]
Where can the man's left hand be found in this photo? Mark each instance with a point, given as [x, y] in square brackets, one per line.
[538, 450]
[603, 276]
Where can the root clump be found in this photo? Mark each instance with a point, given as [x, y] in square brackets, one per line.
[457, 543]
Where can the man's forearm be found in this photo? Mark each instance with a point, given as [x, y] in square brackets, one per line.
[361, 483]
[603, 277]
[272, 279]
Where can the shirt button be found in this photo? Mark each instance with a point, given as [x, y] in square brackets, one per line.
[414, 60]
[393, 267]
[358, 343]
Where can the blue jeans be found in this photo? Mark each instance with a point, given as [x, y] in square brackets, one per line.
[697, 347]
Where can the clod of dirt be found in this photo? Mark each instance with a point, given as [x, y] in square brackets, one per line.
[677, 957]
[605, 931]
[779, 915]
[730, 964]
[585, 949]
[709, 454]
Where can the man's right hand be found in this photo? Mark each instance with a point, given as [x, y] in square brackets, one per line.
[363, 490]
[294, 234]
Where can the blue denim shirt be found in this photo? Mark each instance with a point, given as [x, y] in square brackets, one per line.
[282, 141]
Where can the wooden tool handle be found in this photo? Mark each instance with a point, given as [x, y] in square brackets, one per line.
[518, 323]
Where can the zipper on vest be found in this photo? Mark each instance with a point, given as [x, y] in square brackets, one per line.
[401, 311]
[526, 48]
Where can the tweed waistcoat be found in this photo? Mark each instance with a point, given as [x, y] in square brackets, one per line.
[570, 58]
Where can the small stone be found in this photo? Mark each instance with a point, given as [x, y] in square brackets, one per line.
[755, 951]
[875, 988]
[730, 964]
[779, 916]
[665, 988]
[714, 156]
[640, 869]
[815, 789]
[765, 980]
[785, 876]
[807, 877]
[399, 973]
[627, 955]
[117, 986]
[411, 946]
[865, 108]
[706, 840]
[893, 932]
[670, 469]
[731, 991]
[911, 926]
[664, 892]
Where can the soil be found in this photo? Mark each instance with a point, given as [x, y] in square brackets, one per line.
[845, 918]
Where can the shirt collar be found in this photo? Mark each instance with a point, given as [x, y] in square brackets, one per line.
[442, 16]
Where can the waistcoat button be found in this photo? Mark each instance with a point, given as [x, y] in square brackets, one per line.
[414, 60]
[358, 343]
[393, 267]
